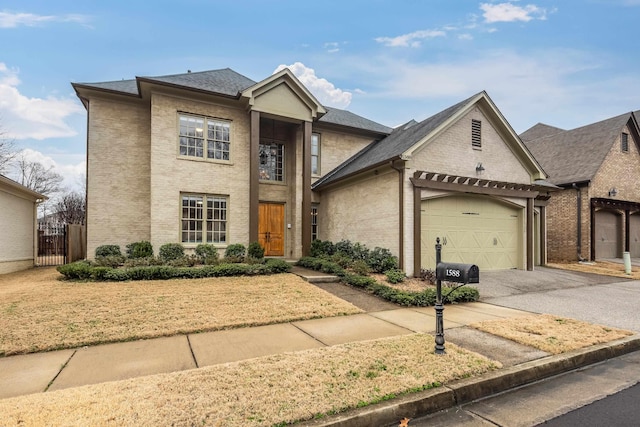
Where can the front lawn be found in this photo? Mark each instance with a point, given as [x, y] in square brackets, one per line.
[39, 312]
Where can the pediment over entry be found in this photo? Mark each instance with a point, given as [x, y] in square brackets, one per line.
[283, 95]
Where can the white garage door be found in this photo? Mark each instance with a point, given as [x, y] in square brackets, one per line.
[472, 230]
[608, 235]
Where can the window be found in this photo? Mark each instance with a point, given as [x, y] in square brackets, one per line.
[204, 219]
[476, 133]
[212, 144]
[315, 154]
[624, 142]
[271, 161]
[314, 222]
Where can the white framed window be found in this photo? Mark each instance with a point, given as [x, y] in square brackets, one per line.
[476, 134]
[271, 164]
[204, 137]
[314, 222]
[203, 218]
[315, 154]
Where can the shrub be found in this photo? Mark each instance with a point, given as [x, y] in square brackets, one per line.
[342, 260]
[345, 248]
[79, 270]
[207, 253]
[278, 266]
[100, 273]
[236, 250]
[395, 275]
[320, 248]
[171, 251]
[381, 260]
[108, 250]
[360, 267]
[141, 249]
[142, 262]
[428, 276]
[255, 250]
[111, 261]
[359, 281]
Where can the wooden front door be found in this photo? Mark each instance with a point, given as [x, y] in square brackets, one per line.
[271, 228]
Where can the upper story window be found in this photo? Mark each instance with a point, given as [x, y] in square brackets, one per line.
[315, 154]
[624, 142]
[204, 137]
[271, 165]
[476, 133]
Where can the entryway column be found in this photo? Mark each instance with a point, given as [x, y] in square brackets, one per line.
[306, 188]
[530, 236]
[254, 156]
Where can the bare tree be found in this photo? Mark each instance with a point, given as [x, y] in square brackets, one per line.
[37, 177]
[7, 151]
[70, 208]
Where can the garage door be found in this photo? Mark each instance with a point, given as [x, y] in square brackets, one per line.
[608, 234]
[473, 230]
[634, 235]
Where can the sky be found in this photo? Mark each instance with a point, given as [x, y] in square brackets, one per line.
[564, 63]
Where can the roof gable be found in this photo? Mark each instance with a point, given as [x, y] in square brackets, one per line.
[283, 94]
[412, 136]
[576, 155]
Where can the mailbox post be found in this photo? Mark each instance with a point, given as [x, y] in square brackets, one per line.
[452, 272]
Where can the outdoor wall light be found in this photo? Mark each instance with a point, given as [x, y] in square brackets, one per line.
[613, 192]
[479, 168]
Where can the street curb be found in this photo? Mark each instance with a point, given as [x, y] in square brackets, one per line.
[467, 390]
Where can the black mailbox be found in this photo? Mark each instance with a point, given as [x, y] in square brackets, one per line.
[460, 273]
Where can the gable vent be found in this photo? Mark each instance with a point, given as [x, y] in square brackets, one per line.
[476, 133]
[624, 142]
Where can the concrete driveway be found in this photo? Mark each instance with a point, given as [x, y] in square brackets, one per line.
[604, 300]
[502, 283]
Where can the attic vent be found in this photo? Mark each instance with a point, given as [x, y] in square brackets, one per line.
[476, 133]
[624, 142]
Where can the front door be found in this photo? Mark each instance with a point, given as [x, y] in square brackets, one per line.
[271, 228]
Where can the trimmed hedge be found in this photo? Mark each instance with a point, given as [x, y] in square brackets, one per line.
[108, 250]
[406, 298]
[83, 270]
[171, 252]
[141, 249]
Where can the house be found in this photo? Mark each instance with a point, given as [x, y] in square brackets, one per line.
[596, 215]
[217, 157]
[18, 226]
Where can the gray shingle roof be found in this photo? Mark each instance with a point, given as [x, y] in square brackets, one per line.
[347, 118]
[538, 131]
[230, 83]
[576, 155]
[391, 147]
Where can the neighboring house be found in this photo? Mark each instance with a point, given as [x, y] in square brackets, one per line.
[18, 225]
[597, 214]
[216, 157]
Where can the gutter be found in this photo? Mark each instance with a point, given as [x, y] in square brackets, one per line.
[401, 174]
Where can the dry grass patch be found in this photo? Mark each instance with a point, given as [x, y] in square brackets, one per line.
[552, 334]
[605, 268]
[258, 392]
[39, 312]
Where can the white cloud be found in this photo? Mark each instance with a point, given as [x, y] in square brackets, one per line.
[561, 87]
[332, 47]
[13, 20]
[508, 12]
[23, 117]
[410, 40]
[322, 89]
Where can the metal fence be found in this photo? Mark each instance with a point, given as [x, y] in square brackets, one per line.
[60, 243]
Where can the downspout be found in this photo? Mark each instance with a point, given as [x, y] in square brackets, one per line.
[579, 218]
[401, 212]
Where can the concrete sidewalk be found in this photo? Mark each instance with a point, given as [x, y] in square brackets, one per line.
[44, 372]
[41, 372]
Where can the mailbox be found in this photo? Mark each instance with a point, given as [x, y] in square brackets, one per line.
[460, 273]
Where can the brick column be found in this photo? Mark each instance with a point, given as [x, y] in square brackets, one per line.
[254, 157]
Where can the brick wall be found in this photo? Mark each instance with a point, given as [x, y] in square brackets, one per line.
[118, 174]
[562, 226]
[172, 174]
[16, 232]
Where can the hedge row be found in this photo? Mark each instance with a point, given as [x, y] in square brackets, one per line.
[389, 293]
[83, 270]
